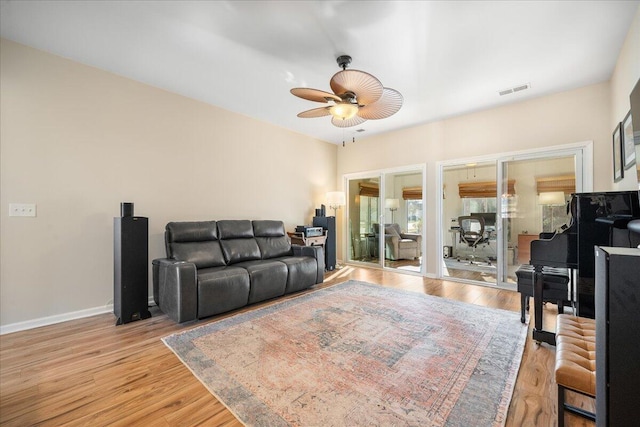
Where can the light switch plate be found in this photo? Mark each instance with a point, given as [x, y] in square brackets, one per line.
[22, 209]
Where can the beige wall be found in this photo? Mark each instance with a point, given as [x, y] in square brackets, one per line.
[77, 141]
[625, 77]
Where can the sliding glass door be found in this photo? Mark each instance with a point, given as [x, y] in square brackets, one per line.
[469, 233]
[363, 213]
[492, 209]
[534, 195]
[385, 216]
[403, 220]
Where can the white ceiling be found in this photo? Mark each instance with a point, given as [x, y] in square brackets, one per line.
[446, 58]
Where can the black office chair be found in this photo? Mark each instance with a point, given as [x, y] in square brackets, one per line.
[472, 232]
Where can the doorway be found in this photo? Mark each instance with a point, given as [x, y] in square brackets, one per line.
[518, 196]
[470, 191]
[385, 217]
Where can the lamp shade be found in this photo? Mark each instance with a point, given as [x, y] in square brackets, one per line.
[344, 110]
[551, 198]
[336, 199]
[392, 203]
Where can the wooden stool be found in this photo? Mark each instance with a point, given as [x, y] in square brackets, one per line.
[575, 362]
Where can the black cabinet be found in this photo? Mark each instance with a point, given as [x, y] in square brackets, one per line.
[130, 268]
[617, 296]
[328, 223]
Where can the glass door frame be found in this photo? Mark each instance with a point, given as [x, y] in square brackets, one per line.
[583, 152]
[346, 240]
[380, 174]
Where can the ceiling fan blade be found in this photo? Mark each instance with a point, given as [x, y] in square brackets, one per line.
[353, 121]
[316, 112]
[314, 94]
[367, 88]
[388, 104]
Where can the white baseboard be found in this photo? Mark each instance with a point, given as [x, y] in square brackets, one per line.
[58, 318]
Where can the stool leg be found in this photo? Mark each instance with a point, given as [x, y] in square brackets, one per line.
[560, 406]
[524, 302]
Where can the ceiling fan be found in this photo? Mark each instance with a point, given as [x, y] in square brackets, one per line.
[357, 97]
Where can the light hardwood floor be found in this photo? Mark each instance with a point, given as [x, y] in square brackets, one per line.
[89, 372]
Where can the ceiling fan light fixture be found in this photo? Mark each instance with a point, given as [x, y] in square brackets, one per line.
[343, 110]
[357, 97]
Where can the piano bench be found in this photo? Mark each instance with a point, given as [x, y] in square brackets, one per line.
[575, 362]
[555, 282]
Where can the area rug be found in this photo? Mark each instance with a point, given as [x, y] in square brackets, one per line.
[357, 354]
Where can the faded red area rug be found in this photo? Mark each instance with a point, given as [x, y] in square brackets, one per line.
[358, 354]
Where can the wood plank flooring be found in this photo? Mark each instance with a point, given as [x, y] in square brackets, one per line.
[89, 372]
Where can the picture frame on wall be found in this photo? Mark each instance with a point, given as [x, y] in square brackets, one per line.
[628, 143]
[618, 170]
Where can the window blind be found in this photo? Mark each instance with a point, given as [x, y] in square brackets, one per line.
[564, 183]
[369, 189]
[412, 193]
[483, 189]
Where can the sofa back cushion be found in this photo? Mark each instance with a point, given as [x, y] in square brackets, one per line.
[392, 229]
[195, 242]
[237, 241]
[271, 239]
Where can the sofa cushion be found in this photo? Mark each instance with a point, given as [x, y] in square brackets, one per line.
[240, 250]
[268, 228]
[271, 239]
[195, 231]
[221, 289]
[202, 254]
[268, 279]
[235, 229]
[391, 230]
[303, 272]
[195, 242]
[237, 241]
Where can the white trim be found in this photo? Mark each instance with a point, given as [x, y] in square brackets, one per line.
[59, 318]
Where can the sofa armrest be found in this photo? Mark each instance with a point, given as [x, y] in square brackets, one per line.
[412, 236]
[316, 252]
[177, 286]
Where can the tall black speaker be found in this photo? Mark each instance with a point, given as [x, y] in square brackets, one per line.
[617, 295]
[130, 268]
[329, 224]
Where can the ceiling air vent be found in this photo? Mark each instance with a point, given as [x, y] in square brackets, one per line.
[514, 89]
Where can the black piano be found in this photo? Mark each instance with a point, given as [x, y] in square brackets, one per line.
[596, 219]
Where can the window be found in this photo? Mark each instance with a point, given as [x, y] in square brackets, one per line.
[414, 216]
[368, 214]
[479, 205]
[553, 217]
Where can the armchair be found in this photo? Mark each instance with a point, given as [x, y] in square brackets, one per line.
[398, 245]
